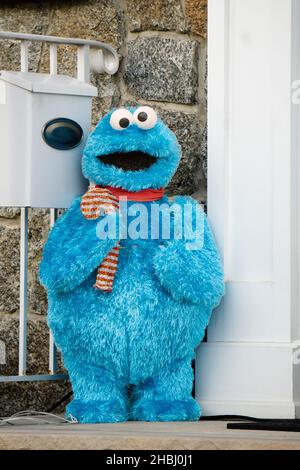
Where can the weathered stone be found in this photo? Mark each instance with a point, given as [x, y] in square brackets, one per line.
[162, 15]
[108, 96]
[29, 17]
[196, 14]
[9, 262]
[37, 344]
[39, 396]
[188, 129]
[86, 19]
[9, 212]
[203, 151]
[38, 231]
[162, 69]
[9, 265]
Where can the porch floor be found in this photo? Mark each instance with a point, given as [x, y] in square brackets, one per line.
[139, 435]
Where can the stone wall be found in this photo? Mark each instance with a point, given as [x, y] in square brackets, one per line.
[162, 47]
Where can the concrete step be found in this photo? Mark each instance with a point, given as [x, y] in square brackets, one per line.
[142, 436]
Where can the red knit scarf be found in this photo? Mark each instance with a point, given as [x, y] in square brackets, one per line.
[100, 200]
[145, 195]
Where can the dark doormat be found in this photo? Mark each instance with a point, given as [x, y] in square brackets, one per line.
[287, 425]
[257, 424]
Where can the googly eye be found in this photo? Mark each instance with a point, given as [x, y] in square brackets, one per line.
[145, 117]
[121, 119]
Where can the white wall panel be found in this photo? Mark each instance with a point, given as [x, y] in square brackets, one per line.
[250, 210]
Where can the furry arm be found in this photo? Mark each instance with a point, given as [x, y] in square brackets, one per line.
[73, 250]
[193, 275]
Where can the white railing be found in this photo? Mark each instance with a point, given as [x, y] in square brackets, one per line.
[102, 58]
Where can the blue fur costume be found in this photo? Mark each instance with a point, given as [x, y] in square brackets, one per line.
[129, 352]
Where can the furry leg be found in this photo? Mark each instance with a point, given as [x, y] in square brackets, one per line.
[166, 396]
[99, 397]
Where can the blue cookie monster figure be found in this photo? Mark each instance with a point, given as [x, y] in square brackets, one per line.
[129, 351]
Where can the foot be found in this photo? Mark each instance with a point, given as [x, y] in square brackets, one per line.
[166, 410]
[96, 412]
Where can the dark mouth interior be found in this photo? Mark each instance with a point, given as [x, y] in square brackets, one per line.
[130, 161]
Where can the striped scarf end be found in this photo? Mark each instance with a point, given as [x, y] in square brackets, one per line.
[102, 288]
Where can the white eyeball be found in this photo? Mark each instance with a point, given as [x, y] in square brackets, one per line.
[121, 119]
[145, 117]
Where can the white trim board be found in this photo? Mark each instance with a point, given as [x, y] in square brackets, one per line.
[253, 379]
[265, 410]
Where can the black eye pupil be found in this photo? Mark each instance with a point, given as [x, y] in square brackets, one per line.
[142, 116]
[124, 122]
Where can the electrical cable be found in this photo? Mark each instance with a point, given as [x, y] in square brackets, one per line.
[35, 417]
[60, 402]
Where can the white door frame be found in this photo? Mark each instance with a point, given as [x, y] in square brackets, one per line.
[246, 366]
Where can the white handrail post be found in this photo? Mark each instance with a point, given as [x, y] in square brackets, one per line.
[52, 347]
[23, 291]
[83, 63]
[53, 59]
[24, 56]
[52, 354]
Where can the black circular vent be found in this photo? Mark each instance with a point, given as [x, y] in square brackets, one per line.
[62, 133]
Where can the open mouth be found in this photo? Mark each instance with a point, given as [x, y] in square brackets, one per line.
[129, 161]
